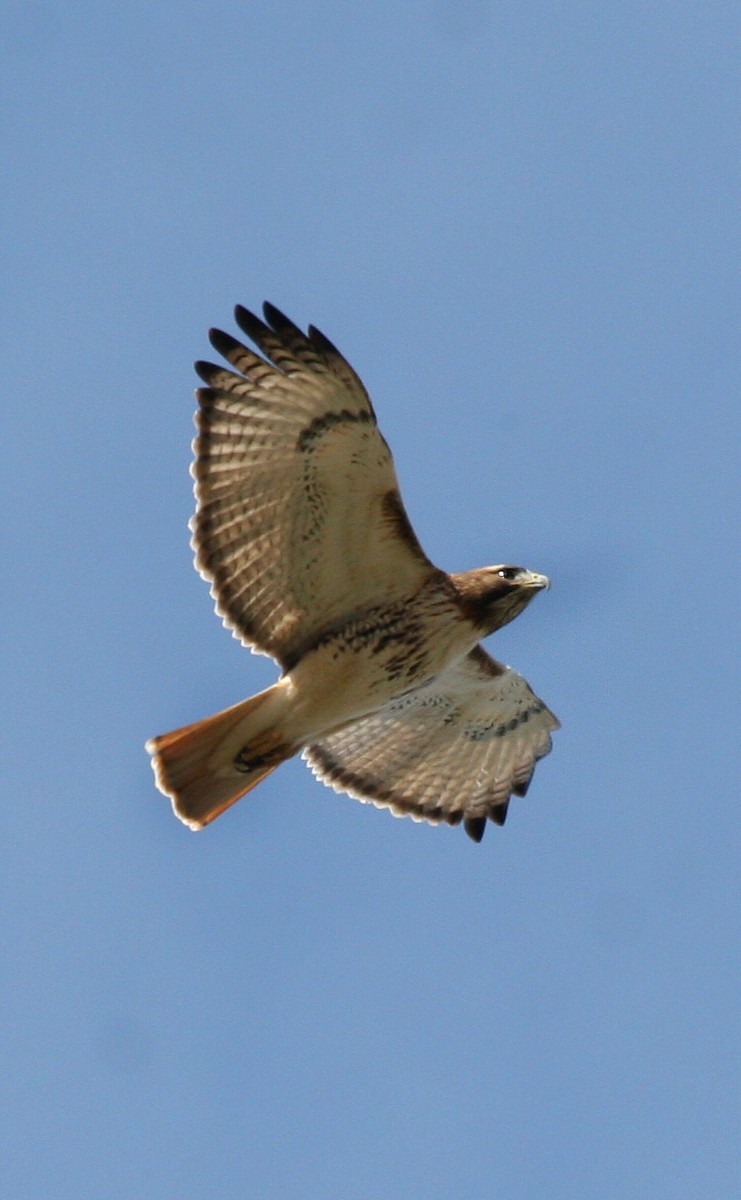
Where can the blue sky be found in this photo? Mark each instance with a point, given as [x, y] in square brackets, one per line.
[520, 224]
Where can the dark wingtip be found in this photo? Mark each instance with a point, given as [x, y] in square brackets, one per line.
[474, 827]
[321, 342]
[206, 370]
[499, 813]
[223, 343]
[276, 319]
[520, 789]
[249, 323]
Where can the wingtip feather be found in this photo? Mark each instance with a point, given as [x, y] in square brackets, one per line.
[475, 827]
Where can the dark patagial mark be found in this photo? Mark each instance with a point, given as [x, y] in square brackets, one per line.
[328, 420]
[395, 516]
[486, 664]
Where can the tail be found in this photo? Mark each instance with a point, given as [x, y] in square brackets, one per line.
[206, 767]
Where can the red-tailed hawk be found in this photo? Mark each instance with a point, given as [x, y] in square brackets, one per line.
[301, 531]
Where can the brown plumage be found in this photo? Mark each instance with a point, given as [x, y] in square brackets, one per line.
[301, 530]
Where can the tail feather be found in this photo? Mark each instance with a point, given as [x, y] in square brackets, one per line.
[206, 767]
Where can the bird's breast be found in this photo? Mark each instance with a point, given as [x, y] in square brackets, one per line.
[376, 656]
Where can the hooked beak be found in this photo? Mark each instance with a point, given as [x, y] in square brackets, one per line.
[536, 581]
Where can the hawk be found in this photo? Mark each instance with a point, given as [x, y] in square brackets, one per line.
[302, 534]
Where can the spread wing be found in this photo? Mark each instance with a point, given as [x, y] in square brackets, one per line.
[455, 749]
[299, 521]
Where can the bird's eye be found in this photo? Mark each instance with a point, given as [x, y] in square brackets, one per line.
[510, 573]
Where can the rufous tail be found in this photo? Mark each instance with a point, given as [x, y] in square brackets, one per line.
[206, 767]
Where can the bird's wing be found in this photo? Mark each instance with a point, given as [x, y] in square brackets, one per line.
[455, 749]
[299, 522]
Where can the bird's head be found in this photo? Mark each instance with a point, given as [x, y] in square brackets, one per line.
[493, 596]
